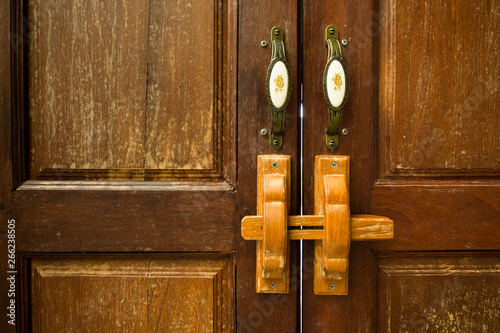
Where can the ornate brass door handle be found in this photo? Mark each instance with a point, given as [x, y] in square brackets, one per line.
[332, 227]
[335, 86]
[278, 87]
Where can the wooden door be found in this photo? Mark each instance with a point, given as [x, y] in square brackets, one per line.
[423, 121]
[130, 131]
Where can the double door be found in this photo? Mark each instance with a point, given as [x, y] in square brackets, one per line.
[132, 131]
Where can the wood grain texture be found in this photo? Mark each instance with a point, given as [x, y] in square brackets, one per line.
[439, 89]
[363, 227]
[87, 73]
[141, 91]
[125, 217]
[133, 295]
[440, 216]
[185, 47]
[440, 294]
[263, 312]
[6, 168]
[273, 203]
[358, 23]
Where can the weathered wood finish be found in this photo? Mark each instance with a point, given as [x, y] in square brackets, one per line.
[439, 89]
[125, 216]
[6, 169]
[263, 312]
[440, 293]
[88, 74]
[358, 24]
[184, 74]
[434, 166]
[108, 101]
[134, 295]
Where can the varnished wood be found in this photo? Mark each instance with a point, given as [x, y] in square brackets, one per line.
[363, 227]
[358, 25]
[439, 108]
[331, 254]
[439, 292]
[125, 217]
[331, 261]
[131, 112]
[273, 203]
[147, 295]
[263, 312]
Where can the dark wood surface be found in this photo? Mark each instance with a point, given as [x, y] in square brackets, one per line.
[357, 23]
[263, 312]
[125, 216]
[422, 116]
[6, 176]
[169, 294]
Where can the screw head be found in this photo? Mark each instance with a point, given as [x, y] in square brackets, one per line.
[263, 132]
[273, 285]
[345, 131]
[332, 286]
[274, 165]
[332, 31]
[263, 43]
[275, 142]
[344, 42]
[334, 165]
[276, 32]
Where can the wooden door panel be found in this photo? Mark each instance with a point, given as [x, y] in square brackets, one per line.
[125, 216]
[439, 293]
[439, 89]
[128, 90]
[424, 153]
[132, 295]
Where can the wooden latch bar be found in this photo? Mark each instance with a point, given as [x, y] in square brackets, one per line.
[332, 227]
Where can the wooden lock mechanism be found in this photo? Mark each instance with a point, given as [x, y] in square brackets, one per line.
[332, 227]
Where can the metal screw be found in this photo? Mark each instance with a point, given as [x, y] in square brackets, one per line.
[344, 42]
[263, 43]
[274, 165]
[332, 31]
[275, 142]
[273, 285]
[332, 286]
[345, 131]
[263, 132]
[276, 32]
[331, 142]
[334, 165]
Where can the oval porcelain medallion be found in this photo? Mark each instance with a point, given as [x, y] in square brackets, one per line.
[278, 84]
[336, 83]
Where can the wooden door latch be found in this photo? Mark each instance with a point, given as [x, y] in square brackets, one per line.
[332, 227]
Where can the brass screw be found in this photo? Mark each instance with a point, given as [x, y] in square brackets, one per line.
[332, 286]
[332, 31]
[276, 32]
[275, 142]
[273, 285]
[331, 142]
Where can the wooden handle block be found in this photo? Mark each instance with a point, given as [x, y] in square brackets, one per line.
[363, 227]
[274, 238]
